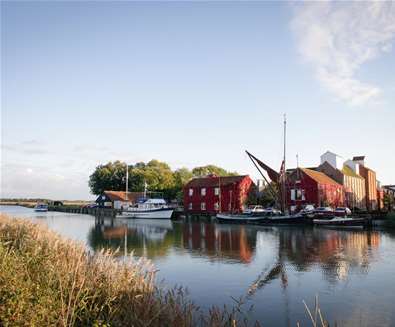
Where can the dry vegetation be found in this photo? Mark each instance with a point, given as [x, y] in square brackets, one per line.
[48, 280]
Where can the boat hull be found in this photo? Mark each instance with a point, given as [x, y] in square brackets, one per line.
[229, 218]
[147, 214]
[340, 222]
[287, 220]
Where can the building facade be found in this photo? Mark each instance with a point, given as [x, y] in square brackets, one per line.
[354, 184]
[117, 199]
[213, 194]
[370, 183]
[307, 186]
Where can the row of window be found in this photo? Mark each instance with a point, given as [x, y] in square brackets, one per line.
[203, 206]
[203, 191]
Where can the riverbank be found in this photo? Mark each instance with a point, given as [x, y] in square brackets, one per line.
[48, 280]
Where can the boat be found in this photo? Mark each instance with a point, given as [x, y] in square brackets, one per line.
[254, 209]
[324, 212]
[151, 208]
[240, 218]
[285, 219]
[342, 212]
[41, 207]
[341, 221]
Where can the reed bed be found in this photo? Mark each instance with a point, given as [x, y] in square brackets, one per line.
[49, 280]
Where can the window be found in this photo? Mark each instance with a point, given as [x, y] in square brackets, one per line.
[190, 206]
[216, 191]
[190, 191]
[298, 195]
[203, 191]
[216, 206]
[203, 206]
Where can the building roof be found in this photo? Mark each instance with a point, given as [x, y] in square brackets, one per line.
[120, 195]
[319, 177]
[331, 153]
[349, 172]
[212, 181]
[358, 158]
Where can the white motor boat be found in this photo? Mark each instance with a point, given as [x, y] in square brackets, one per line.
[148, 209]
[254, 209]
[41, 207]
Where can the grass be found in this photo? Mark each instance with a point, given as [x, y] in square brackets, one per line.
[49, 280]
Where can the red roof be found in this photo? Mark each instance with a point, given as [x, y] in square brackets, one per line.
[319, 177]
[120, 195]
[212, 181]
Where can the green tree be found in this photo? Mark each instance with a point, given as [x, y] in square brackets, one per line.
[158, 176]
[110, 176]
[211, 169]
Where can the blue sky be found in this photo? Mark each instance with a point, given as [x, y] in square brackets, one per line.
[189, 83]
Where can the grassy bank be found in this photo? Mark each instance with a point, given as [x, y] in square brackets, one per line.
[48, 280]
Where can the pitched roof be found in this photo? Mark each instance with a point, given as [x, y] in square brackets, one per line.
[120, 195]
[212, 181]
[319, 177]
[349, 172]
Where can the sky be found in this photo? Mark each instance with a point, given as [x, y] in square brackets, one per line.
[191, 83]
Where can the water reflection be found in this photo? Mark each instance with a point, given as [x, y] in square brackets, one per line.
[149, 238]
[335, 252]
[220, 242]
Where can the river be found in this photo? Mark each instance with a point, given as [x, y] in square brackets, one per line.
[272, 268]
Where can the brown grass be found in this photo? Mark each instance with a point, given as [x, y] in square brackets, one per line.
[48, 280]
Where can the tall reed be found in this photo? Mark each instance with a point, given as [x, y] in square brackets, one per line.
[47, 280]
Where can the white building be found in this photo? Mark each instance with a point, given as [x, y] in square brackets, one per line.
[333, 159]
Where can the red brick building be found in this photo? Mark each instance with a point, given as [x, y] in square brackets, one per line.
[307, 186]
[212, 194]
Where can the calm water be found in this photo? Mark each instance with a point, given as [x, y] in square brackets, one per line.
[353, 272]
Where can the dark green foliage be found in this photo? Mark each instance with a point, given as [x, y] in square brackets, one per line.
[158, 176]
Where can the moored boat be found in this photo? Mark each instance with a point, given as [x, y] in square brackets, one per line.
[148, 209]
[240, 218]
[341, 221]
[41, 207]
[286, 219]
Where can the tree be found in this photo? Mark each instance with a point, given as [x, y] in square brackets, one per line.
[110, 176]
[211, 169]
[181, 177]
[156, 174]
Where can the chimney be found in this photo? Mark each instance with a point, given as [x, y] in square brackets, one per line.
[359, 160]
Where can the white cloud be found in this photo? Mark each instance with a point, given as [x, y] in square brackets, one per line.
[338, 37]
